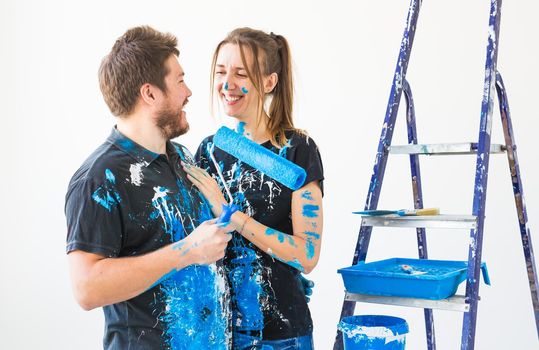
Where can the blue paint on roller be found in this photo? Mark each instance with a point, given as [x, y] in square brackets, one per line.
[309, 210]
[260, 158]
[244, 90]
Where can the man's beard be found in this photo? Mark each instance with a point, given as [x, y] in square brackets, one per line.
[169, 122]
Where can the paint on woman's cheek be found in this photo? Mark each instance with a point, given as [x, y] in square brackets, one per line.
[309, 210]
[244, 90]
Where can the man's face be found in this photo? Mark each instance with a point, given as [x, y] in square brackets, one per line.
[171, 118]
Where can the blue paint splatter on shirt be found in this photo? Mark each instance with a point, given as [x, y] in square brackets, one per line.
[106, 195]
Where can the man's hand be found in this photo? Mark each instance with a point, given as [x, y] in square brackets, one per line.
[205, 245]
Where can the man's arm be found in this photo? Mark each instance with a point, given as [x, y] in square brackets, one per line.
[98, 281]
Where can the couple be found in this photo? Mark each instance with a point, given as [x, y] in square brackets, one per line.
[142, 241]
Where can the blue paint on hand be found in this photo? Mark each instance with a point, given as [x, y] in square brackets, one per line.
[309, 210]
[227, 212]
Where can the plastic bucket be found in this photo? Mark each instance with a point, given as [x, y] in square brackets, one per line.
[373, 332]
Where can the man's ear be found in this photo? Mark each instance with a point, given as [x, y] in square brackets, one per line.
[269, 82]
[148, 94]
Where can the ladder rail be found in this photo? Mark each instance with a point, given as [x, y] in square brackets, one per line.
[418, 201]
[373, 195]
[481, 178]
[518, 191]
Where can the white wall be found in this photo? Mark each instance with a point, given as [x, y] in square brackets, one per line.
[345, 52]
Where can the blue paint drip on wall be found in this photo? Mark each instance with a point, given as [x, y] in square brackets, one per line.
[309, 210]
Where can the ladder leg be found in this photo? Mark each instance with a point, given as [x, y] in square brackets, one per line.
[519, 195]
[481, 177]
[418, 202]
[385, 141]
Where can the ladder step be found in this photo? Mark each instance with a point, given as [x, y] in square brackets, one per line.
[430, 221]
[454, 303]
[443, 149]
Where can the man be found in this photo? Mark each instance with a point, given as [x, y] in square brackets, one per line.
[139, 243]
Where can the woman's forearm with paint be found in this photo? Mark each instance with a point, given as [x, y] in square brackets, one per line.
[300, 250]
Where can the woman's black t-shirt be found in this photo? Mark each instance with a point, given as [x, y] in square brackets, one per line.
[267, 297]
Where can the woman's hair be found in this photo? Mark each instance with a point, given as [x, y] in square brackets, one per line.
[271, 54]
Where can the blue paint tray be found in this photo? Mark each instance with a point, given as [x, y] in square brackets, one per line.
[413, 278]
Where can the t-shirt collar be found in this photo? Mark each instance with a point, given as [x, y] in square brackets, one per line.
[135, 150]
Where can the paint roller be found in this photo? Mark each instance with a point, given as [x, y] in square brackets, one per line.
[260, 158]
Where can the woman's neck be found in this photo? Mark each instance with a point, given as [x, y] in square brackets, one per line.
[254, 131]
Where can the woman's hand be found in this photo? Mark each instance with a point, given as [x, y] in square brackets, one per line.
[207, 185]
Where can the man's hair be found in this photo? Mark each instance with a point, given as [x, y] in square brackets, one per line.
[138, 57]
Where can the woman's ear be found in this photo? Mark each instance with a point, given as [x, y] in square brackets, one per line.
[269, 82]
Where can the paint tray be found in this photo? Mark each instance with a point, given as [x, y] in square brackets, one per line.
[413, 278]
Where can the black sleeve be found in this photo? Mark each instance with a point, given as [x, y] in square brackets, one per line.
[307, 156]
[91, 227]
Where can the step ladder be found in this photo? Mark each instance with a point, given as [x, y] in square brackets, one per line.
[467, 303]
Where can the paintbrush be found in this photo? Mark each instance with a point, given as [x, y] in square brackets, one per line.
[401, 212]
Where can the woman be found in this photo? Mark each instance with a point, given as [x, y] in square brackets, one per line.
[278, 231]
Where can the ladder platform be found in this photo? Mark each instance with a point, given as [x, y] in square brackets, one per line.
[443, 148]
[430, 221]
[454, 303]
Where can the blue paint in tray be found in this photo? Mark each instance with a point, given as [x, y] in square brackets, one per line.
[422, 278]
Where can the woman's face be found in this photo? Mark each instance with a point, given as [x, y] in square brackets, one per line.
[235, 90]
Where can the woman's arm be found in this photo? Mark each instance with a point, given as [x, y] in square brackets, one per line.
[300, 250]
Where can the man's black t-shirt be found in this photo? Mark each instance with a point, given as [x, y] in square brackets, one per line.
[267, 298]
[127, 201]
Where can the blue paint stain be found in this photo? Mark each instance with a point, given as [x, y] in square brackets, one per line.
[309, 210]
[296, 264]
[309, 246]
[245, 276]
[241, 128]
[110, 176]
[244, 90]
[281, 236]
[194, 304]
[312, 234]
[307, 195]
[226, 86]
[106, 195]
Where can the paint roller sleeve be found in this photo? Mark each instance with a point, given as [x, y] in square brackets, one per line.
[260, 158]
